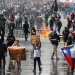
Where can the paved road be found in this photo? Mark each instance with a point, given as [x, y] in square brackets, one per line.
[49, 67]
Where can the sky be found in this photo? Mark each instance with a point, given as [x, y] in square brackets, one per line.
[67, 1]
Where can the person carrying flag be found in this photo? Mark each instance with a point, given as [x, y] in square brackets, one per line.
[69, 53]
[73, 59]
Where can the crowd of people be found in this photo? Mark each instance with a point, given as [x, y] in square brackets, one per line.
[53, 21]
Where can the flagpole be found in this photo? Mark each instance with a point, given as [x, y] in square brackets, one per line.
[54, 6]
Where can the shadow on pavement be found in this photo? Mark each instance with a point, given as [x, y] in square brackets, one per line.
[2, 71]
[54, 67]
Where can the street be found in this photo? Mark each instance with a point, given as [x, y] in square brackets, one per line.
[19, 19]
[49, 67]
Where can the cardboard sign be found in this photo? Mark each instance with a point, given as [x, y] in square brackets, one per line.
[17, 53]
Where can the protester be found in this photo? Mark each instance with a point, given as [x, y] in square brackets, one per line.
[37, 56]
[70, 39]
[33, 31]
[65, 35]
[69, 53]
[54, 38]
[72, 15]
[16, 43]
[32, 21]
[51, 23]
[11, 27]
[10, 39]
[2, 26]
[69, 22]
[18, 20]
[58, 16]
[39, 22]
[46, 18]
[73, 60]
[11, 16]
[26, 30]
[3, 52]
[59, 25]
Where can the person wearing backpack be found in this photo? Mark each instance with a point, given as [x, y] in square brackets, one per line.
[55, 42]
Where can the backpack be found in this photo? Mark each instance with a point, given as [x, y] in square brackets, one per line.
[55, 39]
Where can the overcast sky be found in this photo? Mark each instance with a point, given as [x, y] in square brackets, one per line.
[67, 0]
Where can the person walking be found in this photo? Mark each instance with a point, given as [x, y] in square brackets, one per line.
[55, 41]
[59, 25]
[69, 23]
[32, 21]
[2, 26]
[26, 30]
[70, 39]
[11, 27]
[65, 35]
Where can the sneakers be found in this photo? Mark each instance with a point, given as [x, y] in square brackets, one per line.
[40, 69]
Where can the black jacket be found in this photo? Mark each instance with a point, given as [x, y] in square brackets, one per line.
[3, 49]
[55, 39]
[26, 27]
[11, 26]
[10, 40]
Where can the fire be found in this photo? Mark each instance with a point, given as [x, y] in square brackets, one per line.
[45, 31]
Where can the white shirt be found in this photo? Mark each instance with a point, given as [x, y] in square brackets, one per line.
[37, 53]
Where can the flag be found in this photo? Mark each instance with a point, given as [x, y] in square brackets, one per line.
[69, 53]
[55, 6]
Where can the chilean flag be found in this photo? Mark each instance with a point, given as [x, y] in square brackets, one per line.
[69, 53]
